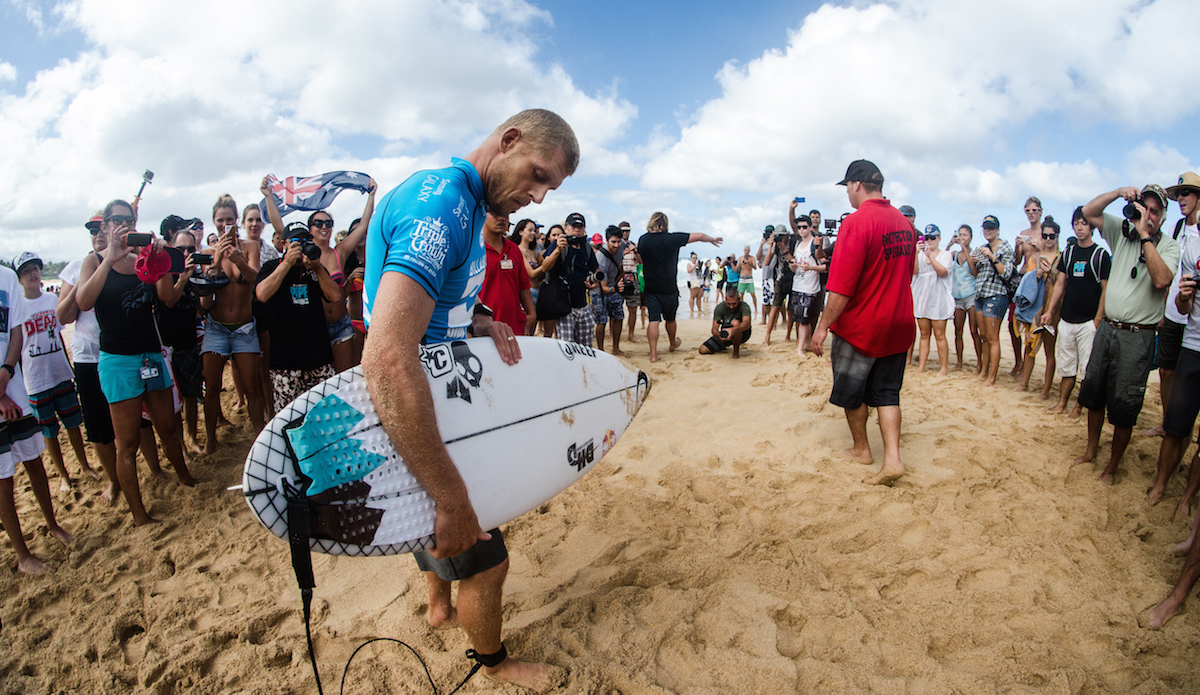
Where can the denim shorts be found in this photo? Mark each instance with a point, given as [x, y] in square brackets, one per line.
[121, 375]
[225, 340]
[340, 331]
[992, 307]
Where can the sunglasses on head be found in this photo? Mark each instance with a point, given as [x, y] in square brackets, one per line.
[327, 224]
[121, 219]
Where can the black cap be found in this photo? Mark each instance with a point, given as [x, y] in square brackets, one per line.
[990, 222]
[863, 171]
[169, 224]
[576, 220]
[297, 230]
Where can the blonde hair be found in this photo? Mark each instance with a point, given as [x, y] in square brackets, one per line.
[225, 201]
[657, 223]
[546, 132]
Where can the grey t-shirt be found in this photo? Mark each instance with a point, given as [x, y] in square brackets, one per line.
[612, 272]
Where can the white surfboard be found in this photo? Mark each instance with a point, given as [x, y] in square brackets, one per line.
[519, 434]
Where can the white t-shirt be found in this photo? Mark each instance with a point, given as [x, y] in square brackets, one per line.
[1189, 256]
[806, 281]
[11, 298]
[42, 355]
[85, 342]
[1186, 235]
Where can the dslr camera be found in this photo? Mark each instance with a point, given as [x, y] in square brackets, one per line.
[1132, 216]
[595, 277]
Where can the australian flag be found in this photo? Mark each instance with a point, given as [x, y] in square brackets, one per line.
[312, 192]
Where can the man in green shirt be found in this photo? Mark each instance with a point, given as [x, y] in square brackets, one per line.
[731, 325]
[1143, 265]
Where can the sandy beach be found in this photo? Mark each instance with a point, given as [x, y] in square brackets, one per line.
[723, 546]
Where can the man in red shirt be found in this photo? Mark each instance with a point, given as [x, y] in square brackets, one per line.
[870, 312]
[505, 283]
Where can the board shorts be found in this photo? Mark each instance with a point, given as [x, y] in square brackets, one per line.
[1184, 405]
[661, 307]
[189, 372]
[19, 443]
[121, 375]
[607, 307]
[1116, 373]
[1170, 341]
[966, 303]
[288, 384]
[54, 404]
[745, 287]
[858, 379]
[1073, 348]
[578, 326]
[768, 292]
[783, 290]
[715, 344]
[632, 301]
[340, 330]
[228, 340]
[992, 307]
[804, 308]
[481, 557]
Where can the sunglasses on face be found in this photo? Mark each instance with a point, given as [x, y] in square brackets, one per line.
[121, 219]
[93, 231]
[1049, 236]
[1033, 210]
[327, 224]
[187, 249]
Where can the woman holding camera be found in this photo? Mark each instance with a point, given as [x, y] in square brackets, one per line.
[133, 373]
[556, 243]
[933, 302]
[320, 225]
[991, 264]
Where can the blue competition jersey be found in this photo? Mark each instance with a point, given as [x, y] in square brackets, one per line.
[430, 229]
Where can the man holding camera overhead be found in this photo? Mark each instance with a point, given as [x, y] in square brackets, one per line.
[1143, 265]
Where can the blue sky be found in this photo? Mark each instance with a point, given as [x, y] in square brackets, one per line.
[715, 113]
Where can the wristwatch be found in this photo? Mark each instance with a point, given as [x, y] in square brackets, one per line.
[1145, 239]
[11, 370]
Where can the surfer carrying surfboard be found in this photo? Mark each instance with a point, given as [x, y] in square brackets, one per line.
[425, 267]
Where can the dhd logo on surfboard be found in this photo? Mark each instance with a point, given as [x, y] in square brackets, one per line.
[580, 455]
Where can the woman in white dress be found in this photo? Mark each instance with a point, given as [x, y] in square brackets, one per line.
[933, 303]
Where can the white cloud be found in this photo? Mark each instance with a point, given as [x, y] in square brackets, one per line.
[1154, 163]
[938, 84]
[212, 95]
[8, 73]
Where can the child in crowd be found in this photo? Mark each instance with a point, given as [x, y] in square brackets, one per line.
[18, 435]
[47, 372]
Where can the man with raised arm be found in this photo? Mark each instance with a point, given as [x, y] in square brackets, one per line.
[425, 267]
[870, 311]
[1143, 264]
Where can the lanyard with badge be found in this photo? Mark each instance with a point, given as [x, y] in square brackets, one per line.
[148, 371]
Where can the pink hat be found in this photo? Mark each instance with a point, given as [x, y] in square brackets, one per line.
[152, 265]
[597, 239]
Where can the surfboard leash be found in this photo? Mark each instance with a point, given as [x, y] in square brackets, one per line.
[298, 510]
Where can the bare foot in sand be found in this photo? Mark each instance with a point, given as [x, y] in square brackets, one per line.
[887, 475]
[1157, 616]
[943, 372]
[655, 358]
[186, 478]
[441, 616]
[539, 678]
[1181, 549]
[209, 448]
[110, 495]
[160, 474]
[675, 345]
[1153, 432]
[1056, 409]
[1018, 388]
[1182, 511]
[737, 355]
[1154, 496]
[863, 457]
[620, 353]
[147, 520]
[1107, 478]
[1088, 456]
[63, 536]
[93, 473]
[65, 485]
[32, 566]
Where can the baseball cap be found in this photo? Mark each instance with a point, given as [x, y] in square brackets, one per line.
[907, 211]
[863, 171]
[597, 239]
[1189, 179]
[769, 228]
[1157, 191]
[152, 264]
[96, 220]
[297, 230]
[624, 226]
[576, 220]
[932, 230]
[25, 258]
[990, 222]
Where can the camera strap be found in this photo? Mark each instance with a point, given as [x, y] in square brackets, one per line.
[1179, 228]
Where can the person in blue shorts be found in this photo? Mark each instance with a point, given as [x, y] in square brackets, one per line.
[425, 267]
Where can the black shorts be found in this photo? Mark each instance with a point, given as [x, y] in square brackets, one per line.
[97, 421]
[715, 344]
[661, 307]
[189, 372]
[1116, 373]
[1184, 405]
[480, 557]
[783, 289]
[1170, 340]
[858, 379]
[804, 308]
